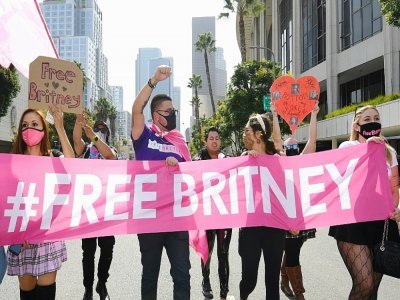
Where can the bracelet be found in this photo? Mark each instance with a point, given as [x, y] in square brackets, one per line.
[150, 84]
[95, 139]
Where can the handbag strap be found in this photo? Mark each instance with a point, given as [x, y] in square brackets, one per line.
[385, 233]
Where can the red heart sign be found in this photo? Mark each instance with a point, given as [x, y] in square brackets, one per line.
[294, 99]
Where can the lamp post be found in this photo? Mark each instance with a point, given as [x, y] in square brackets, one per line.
[270, 51]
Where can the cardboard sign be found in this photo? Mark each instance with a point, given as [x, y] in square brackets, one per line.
[294, 99]
[55, 81]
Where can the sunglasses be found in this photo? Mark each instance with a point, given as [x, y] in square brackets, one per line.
[294, 147]
[102, 130]
[167, 112]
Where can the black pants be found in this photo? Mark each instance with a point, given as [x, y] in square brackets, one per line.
[292, 251]
[177, 247]
[106, 244]
[253, 241]
[223, 241]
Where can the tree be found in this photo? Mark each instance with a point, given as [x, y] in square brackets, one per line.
[206, 44]
[243, 8]
[195, 83]
[102, 109]
[69, 123]
[197, 137]
[249, 83]
[9, 88]
[391, 10]
[113, 116]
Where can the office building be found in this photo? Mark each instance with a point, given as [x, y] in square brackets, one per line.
[346, 44]
[76, 28]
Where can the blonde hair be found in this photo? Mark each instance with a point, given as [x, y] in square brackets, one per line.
[355, 134]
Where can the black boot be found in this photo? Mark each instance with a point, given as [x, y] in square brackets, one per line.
[207, 291]
[88, 295]
[27, 295]
[46, 292]
[101, 289]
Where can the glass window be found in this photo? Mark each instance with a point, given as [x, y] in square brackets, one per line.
[285, 11]
[367, 24]
[356, 5]
[357, 28]
[362, 16]
[363, 88]
[314, 32]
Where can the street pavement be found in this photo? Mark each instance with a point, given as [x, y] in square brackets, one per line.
[325, 276]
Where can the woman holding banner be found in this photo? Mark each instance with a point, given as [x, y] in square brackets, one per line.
[212, 150]
[355, 241]
[291, 268]
[254, 240]
[36, 265]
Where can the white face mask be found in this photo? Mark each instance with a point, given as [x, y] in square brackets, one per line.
[102, 136]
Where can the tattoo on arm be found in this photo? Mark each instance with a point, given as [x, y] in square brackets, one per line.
[144, 104]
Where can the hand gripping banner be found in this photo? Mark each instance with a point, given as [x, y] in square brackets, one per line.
[47, 199]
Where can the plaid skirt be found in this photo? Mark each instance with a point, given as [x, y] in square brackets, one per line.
[304, 234]
[37, 259]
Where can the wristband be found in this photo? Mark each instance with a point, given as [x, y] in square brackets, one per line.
[150, 84]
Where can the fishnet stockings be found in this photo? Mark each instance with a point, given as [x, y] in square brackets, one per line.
[358, 261]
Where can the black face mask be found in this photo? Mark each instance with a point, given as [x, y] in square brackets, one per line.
[292, 152]
[370, 129]
[171, 121]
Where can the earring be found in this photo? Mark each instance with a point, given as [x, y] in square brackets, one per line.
[258, 141]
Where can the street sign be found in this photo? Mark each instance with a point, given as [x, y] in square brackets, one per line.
[267, 102]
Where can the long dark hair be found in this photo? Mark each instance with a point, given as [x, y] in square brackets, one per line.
[20, 146]
[265, 134]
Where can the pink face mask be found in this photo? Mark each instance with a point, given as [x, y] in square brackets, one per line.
[32, 136]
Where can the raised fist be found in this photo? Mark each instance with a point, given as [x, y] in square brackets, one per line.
[162, 72]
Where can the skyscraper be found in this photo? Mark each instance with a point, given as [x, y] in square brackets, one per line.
[216, 62]
[117, 95]
[76, 28]
[148, 59]
[143, 73]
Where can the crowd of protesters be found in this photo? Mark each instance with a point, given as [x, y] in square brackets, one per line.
[36, 265]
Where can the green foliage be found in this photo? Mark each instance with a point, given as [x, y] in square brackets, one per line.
[9, 88]
[197, 141]
[102, 109]
[69, 123]
[352, 108]
[249, 83]
[113, 116]
[391, 10]
[195, 83]
[242, 8]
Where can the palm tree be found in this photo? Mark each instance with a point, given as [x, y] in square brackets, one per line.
[243, 8]
[113, 116]
[206, 44]
[102, 109]
[196, 83]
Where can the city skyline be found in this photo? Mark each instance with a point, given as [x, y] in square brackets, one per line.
[171, 35]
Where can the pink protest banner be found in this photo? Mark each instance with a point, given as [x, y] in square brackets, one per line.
[45, 199]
